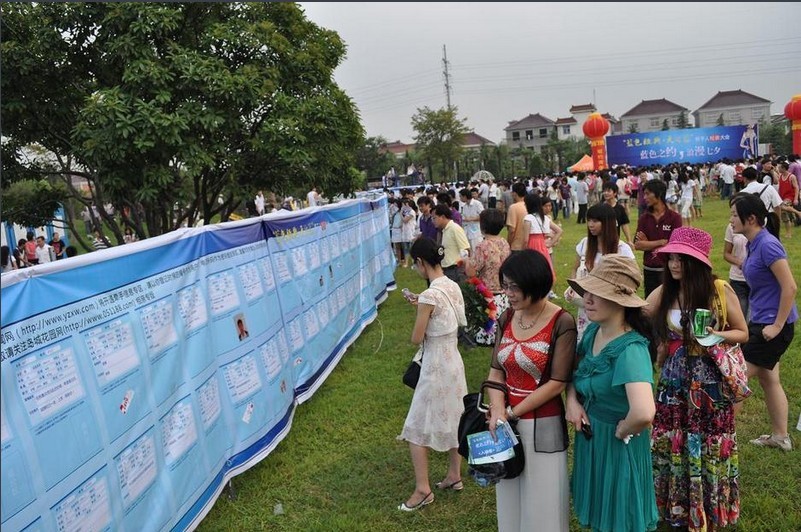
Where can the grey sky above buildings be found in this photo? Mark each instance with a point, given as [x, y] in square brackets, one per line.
[508, 60]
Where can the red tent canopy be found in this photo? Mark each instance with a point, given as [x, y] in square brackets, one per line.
[584, 165]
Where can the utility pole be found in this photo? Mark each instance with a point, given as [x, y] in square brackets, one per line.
[445, 72]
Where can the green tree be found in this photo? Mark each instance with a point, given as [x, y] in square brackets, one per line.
[633, 128]
[665, 125]
[683, 124]
[720, 121]
[439, 136]
[176, 111]
[373, 159]
[779, 136]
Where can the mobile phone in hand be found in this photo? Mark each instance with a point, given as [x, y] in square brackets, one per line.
[586, 430]
[408, 295]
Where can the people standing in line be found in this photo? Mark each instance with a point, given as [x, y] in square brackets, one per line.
[58, 246]
[610, 193]
[485, 263]
[653, 231]
[515, 213]
[313, 197]
[734, 252]
[611, 404]
[433, 418]
[408, 228]
[30, 249]
[687, 192]
[454, 241]
[259, 201]
[771, 326]
[789, 193]
[533, 357]
[537, 227]
[602, 239]
[22, 254]
[425, 219]
[694, 439]
[726, 171]
[44, 253]
[471, 210]
[99, 241]
[396, 229]
[582, 193]
[7, 260]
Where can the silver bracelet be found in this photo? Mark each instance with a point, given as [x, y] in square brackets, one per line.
[510, 414]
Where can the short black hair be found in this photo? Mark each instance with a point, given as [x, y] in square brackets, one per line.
[427, 250]
[444, 198]
[519, 189]
[657, 187]
[424, 200]
[530, 270]
[608, 185]
[747, 205]
[750, 173]
[443, 209]
[491, 221]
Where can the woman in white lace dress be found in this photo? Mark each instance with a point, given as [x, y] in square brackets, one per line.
[433, 418]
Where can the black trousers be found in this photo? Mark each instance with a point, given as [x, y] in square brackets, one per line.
[582, 214]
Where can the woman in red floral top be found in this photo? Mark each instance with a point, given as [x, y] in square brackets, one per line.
[534, 356]
[485, 263]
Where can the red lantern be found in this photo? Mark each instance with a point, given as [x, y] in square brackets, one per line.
[595, 128]
[793, 113]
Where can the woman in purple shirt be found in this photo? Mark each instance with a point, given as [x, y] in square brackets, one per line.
[773, 311]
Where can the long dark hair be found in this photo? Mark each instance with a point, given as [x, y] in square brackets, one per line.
[696, 288]
[608, 240]
[635, 318]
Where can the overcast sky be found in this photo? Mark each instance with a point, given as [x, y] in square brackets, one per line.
[508, 60]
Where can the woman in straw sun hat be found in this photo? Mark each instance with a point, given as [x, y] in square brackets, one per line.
[610, 403]
[694, 439]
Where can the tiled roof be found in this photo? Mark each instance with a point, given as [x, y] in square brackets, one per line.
[474, 139]
[611, 118]
[566, 121]
[398, 147]
[654, 107]
[583, 108]
[725, 99]
[534, 120]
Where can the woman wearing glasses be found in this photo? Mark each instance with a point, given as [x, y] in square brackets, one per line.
[533, 356]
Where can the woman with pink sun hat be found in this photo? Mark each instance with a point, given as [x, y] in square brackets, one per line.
[694, 443]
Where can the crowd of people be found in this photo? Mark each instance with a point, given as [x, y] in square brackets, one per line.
[645, 450]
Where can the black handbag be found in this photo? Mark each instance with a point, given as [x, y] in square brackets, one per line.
[473, 421]
[412, 375]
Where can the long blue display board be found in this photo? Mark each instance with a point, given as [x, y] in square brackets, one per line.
[703, 145]
[137, 380]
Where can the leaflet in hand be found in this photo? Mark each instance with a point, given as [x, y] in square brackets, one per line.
[485, 450]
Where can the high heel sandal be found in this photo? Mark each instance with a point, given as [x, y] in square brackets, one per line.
[428, 499]
[455, 486]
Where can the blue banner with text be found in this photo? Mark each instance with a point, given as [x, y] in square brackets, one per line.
[137, 380]
[694, 146]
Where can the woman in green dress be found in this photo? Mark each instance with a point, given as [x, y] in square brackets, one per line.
[611, 404]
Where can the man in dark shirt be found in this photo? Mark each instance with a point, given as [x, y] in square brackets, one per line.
[427, 227]
[610, 191]
[653, 231]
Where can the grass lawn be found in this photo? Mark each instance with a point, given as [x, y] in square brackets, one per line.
[341, 468]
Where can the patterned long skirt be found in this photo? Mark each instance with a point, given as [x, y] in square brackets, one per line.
[694, 445]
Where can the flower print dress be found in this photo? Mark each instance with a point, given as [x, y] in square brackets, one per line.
[433, 418]
[694, 443]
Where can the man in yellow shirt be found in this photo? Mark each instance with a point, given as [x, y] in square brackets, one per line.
[453, 239]
[518, 241]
